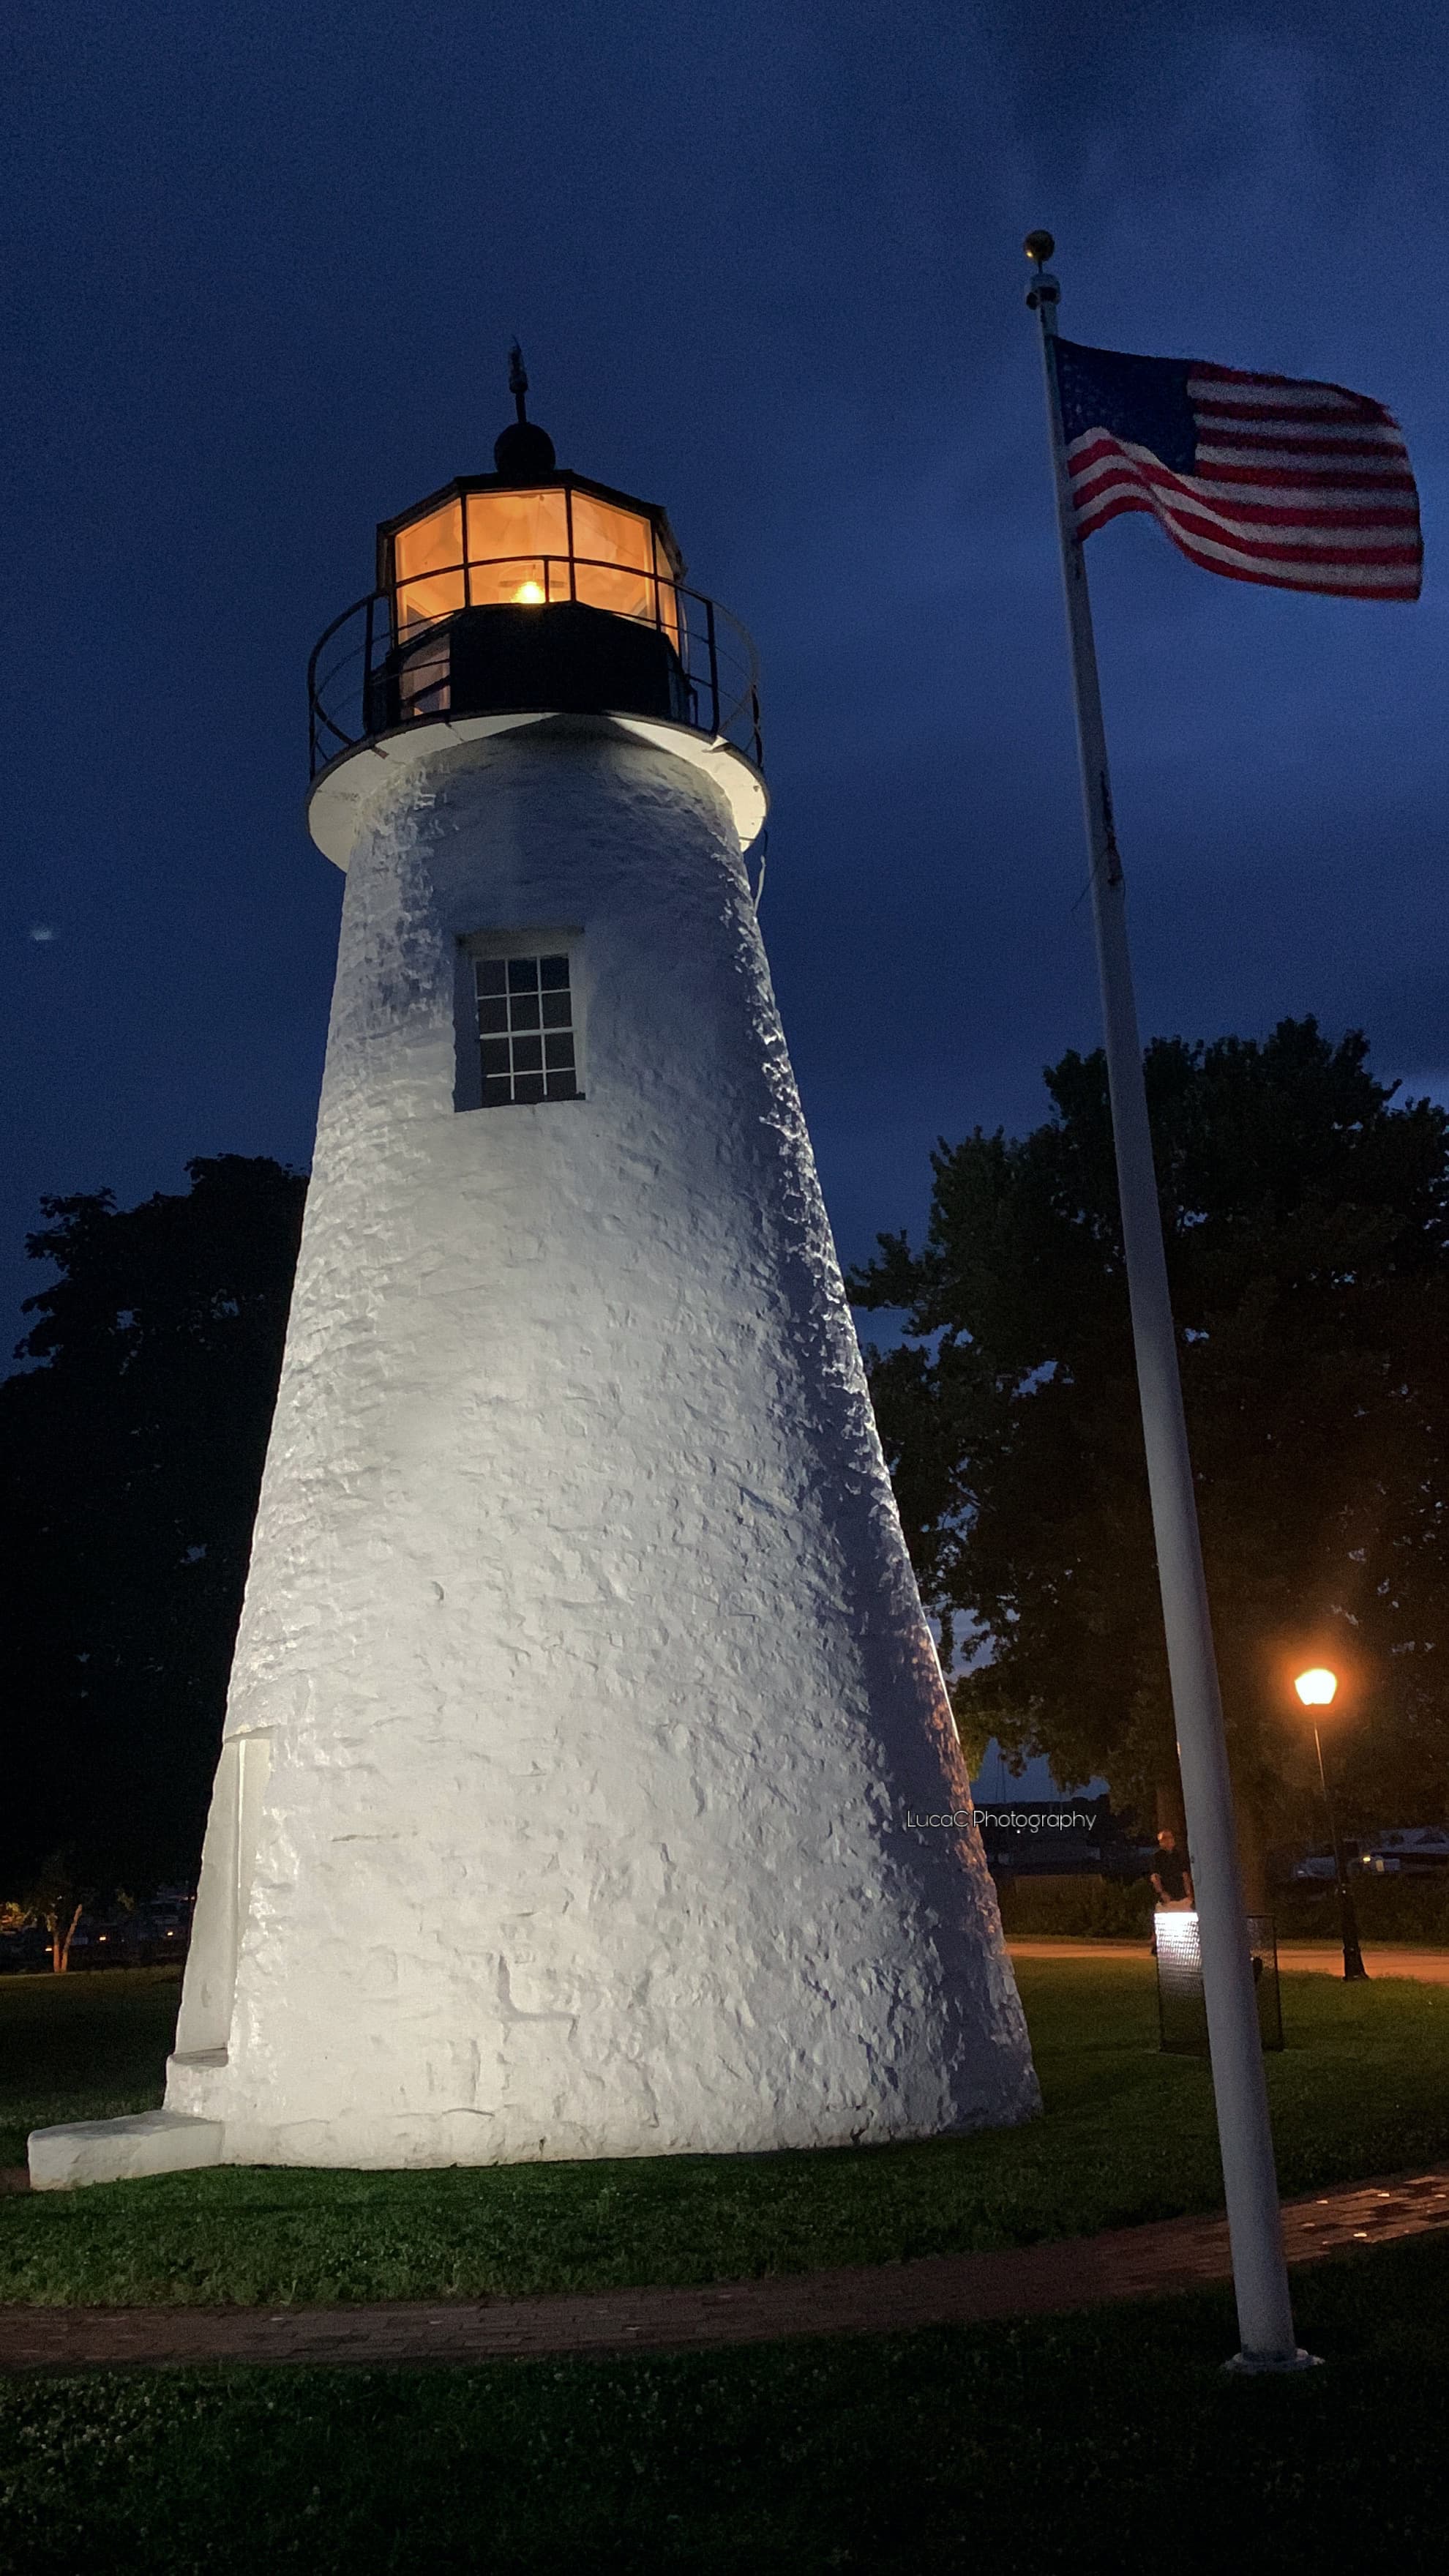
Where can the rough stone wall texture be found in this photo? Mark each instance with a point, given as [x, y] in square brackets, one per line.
[580, 1629]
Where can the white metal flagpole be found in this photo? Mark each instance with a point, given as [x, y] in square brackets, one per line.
[1260, 2276]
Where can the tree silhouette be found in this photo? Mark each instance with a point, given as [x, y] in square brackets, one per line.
[1307, 1222]
[132, 1458]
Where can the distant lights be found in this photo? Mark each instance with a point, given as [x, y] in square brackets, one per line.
[1316, 1688]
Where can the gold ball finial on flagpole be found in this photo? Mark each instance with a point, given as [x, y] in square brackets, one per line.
[1039, 246]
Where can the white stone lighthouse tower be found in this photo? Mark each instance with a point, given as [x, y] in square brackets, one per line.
[583, 1708]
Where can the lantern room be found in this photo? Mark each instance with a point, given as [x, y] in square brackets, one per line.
[528, 592]
[553, 592]
[529, 586]
[485, 543]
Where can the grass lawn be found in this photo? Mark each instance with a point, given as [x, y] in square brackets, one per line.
[1362, 2088]
[1108, 2440]
[81, 2047]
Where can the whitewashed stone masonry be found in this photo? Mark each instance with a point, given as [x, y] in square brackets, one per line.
[582, 1687]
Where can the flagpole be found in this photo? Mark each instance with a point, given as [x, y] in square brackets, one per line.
[1260, 2276]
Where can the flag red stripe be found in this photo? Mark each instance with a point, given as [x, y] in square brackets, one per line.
[1278, 441]
[1279, 393]
[1174, 496]
[1277, 546]
[1330, 503]
[1362, 543]
[1098, 446]
[1313, 415]
[1320, 478]
[1181, 524]
[1378, 585]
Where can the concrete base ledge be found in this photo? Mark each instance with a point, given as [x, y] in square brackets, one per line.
[152, 2142]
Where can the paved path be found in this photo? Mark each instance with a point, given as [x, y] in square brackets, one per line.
[1295, 1958]
[886, 2298]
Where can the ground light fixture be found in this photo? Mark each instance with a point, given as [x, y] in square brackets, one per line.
[1318, 1688]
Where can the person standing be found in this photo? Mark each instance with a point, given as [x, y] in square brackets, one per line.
[1172, 1878]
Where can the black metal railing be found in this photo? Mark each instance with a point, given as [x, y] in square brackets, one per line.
[377, 668]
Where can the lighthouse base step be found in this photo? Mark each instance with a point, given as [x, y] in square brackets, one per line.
[152, 2142]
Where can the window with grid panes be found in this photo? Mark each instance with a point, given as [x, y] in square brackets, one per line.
[525, 1029]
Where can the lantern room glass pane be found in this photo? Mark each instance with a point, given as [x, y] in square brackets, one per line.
[667, 596]
[518, 544]
[606, 536]
[428, 567]
[614, 559]
[610, 535]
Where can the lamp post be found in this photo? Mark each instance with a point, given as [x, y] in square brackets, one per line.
[1318, 1688]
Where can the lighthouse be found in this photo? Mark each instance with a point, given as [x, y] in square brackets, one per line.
[584, 1722]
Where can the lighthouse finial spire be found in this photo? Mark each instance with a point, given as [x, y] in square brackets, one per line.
[518, 378]
[524, 452]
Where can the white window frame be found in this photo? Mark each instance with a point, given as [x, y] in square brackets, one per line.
[548, 939]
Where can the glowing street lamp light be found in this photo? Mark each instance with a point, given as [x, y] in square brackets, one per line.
[1318, 1688]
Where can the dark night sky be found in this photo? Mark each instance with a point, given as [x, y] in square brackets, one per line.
[262, 266]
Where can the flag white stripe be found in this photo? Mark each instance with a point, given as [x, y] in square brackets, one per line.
[1268, 540]
[1210, 498]
[1258, 390]
[1328, 507]
[1341, 576]
[1291, 541]
[1089, 491]
[1301, 433]
[1304, 458]
[1310, 573]
[1212, 495]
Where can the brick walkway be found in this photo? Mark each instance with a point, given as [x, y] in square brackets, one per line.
[941, 2289]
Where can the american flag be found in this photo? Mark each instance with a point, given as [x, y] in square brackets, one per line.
[1265, 478]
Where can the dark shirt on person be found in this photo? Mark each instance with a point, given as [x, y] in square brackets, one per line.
[1172, 1873]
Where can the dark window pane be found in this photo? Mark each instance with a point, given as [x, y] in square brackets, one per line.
[492, 975]
[523, 974]
[527, 1054]
[558, 1051]
[553, 972]
[497, 1091]
[556, 1010]
[492, 1016]
[495, 1055]
[528, 1086]
[524, 1007]
[563, 1086]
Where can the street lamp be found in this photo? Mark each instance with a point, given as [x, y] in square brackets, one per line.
[1317, 1688]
